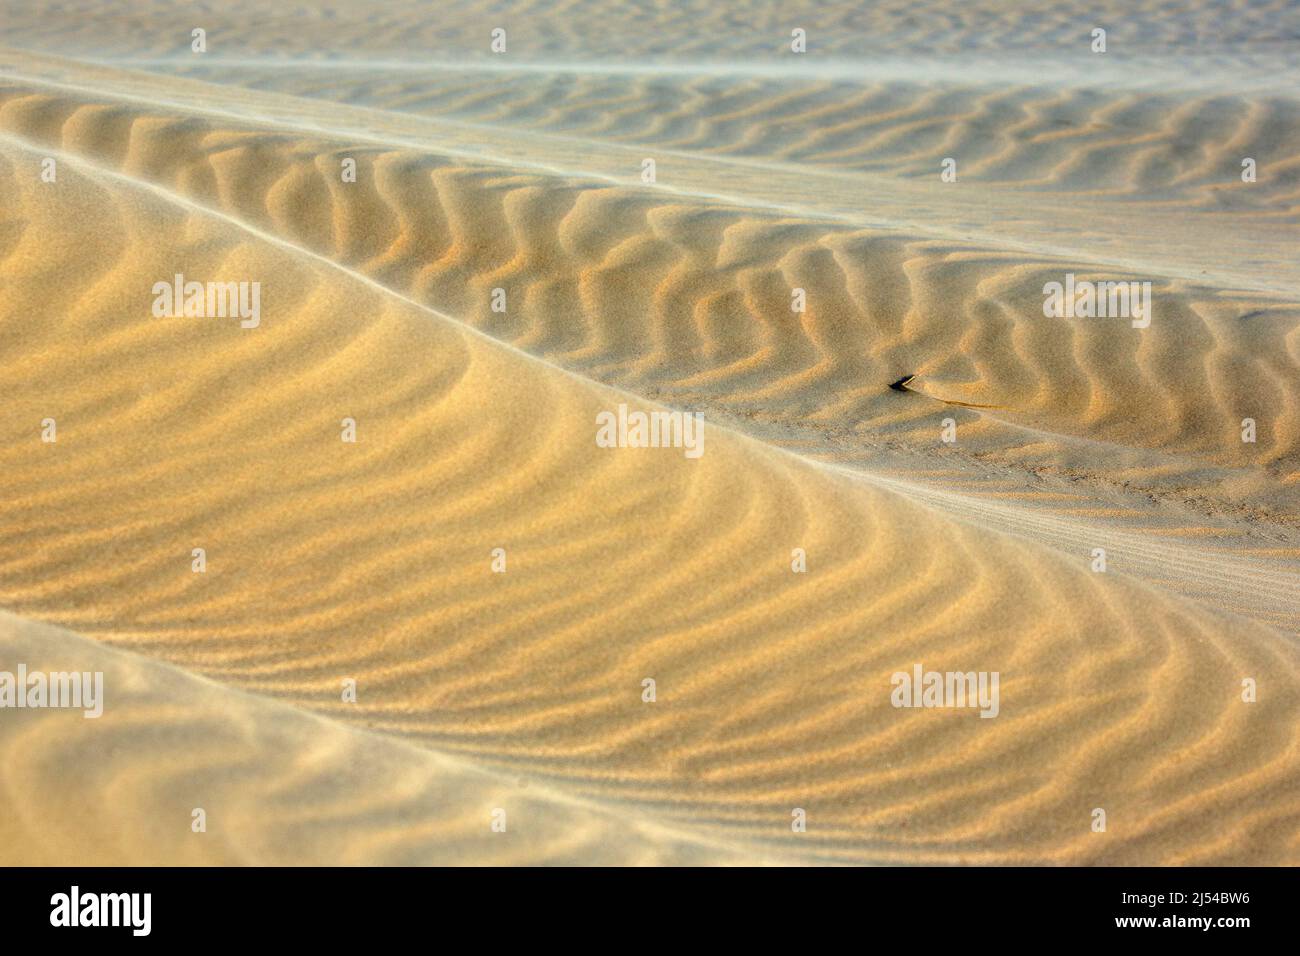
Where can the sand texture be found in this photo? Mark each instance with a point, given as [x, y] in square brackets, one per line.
[501, 273]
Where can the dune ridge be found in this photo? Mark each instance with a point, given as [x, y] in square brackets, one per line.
[280, 786]
[882, 305]
[773, 686]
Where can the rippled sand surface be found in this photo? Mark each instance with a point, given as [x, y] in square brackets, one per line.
[952, 521]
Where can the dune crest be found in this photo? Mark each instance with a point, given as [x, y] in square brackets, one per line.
[773, 688]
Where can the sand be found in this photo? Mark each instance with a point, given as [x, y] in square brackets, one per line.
[486, 696]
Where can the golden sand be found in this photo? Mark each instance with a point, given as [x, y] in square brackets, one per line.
[522, 691]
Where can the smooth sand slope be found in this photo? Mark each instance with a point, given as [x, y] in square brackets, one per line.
[523, 690]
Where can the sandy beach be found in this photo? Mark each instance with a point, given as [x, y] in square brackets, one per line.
[313, 322]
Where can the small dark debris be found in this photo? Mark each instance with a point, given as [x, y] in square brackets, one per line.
[901, 384]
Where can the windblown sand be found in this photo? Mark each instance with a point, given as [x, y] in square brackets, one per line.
[522, 691]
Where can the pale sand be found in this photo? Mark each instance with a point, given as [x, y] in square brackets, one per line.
[476, 430]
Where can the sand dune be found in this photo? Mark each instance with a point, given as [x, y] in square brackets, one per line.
[577, 260]
[595, 31]
[329, 561]
[1158, 147]
[277, 786]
